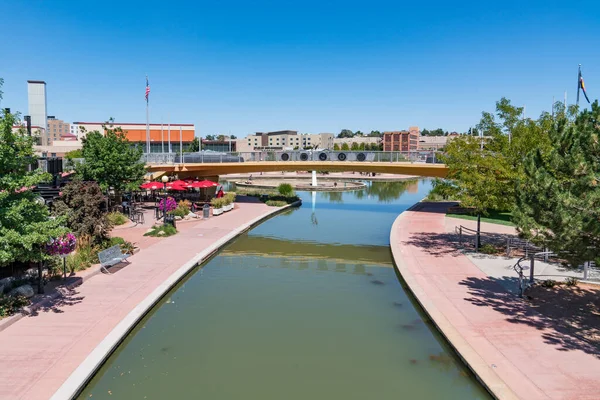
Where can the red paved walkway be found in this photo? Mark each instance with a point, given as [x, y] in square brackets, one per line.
[515, 353]
[38, 353]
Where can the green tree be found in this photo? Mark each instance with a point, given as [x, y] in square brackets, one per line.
[345, 146]
[336, 146]
[425, 132]
[354, 146]
[358, 133]
[78, 153]
[111, 161]
[233, 137]
[25, 226]
[81, 206]
[558, 196]
[221, 138]
[482, 180]
[361, 146]
[375, 134]
[210, 137]
[194, 146]
[485, 175]
[345, 133]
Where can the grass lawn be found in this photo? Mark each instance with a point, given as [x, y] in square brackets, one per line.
[493, 217]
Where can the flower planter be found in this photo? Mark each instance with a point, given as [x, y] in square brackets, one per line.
[228, 207]
[217, 211]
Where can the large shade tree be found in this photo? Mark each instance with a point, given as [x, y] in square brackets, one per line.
[483, 172]
[558, 196]
[25, 223]
[111, 160]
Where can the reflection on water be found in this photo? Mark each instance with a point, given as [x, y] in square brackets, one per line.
[293, 310]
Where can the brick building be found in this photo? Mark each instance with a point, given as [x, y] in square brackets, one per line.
[401, 140]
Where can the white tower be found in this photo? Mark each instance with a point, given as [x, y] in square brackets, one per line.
[36, 94]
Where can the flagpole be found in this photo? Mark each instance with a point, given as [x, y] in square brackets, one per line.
[578, 83]
[565, 101]
[180, 144]
[169, 135]
[553, 100]
[147, 120]
[162, 137]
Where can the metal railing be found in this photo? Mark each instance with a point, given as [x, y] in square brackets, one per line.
[294, 155]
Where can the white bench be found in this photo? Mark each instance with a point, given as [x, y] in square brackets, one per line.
[111, 256]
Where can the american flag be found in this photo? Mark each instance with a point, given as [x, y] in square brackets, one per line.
[147, 89]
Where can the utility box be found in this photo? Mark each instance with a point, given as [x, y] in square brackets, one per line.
[206, 211]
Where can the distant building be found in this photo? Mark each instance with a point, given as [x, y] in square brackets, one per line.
[58, 149]
[401, 140]
[56, 128]
[220, 146]
[432, 142]
[160, 134]
[37, 102]
[283, 140]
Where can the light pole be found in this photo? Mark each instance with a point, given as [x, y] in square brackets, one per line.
[164, 180]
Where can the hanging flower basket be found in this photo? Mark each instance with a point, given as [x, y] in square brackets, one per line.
[62, 246]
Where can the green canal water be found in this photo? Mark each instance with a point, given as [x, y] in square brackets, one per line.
[306, 305]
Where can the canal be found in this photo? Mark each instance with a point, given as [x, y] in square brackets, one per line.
[306, 305]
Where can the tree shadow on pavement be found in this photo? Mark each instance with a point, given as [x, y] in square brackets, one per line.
[435, 244]
[67, 297]
[569, 317]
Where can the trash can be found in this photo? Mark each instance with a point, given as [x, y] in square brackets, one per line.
[206, 211]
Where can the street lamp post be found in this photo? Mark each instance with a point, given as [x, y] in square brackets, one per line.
[165, 179]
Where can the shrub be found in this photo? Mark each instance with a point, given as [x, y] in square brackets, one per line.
[285, 189]
[230, 196]
[81, 203]
[570, 281]
[276, 203]
[116, 218]
[11, 304]
[161, 231]
[217, 203]
[83, 258]
[549, 283]
[488, 249]
[125, 246]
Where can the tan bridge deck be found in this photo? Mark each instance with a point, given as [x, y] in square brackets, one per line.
[216, 169]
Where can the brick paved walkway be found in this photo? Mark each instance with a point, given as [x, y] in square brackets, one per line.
[505, 342]
[38, 353]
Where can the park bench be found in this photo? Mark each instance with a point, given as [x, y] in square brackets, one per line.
[111, 256]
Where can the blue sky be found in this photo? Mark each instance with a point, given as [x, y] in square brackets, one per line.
[312, 66]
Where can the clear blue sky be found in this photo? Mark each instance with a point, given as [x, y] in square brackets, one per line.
[312, 66]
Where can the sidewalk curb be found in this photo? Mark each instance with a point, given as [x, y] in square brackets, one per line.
[86, 370]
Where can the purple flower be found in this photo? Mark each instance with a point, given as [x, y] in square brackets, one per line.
[62, 245]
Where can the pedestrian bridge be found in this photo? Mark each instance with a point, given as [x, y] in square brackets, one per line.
[215, 164]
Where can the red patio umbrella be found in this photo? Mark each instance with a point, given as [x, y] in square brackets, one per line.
[152, 185]
[175, 187]
[205, 184]
[178, 183]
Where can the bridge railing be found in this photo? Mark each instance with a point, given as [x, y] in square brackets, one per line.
[293, 155]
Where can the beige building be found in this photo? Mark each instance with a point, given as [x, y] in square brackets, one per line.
[285, 140]
[58, 148]
[435, 142]
[56, 129]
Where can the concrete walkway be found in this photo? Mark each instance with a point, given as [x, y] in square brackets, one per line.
[514, 352]
[39, 352]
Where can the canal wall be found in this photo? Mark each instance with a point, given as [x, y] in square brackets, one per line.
[86, 370]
